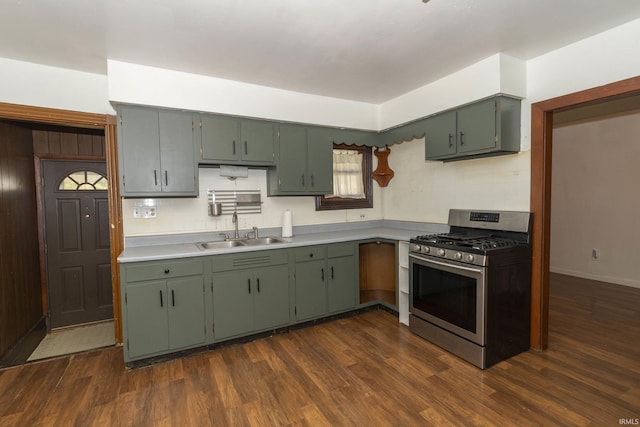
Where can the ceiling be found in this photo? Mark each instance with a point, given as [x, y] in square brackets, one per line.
[369, 51]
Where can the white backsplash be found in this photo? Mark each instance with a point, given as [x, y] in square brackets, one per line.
[189, 215]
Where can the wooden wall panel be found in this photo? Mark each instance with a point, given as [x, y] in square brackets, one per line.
[20, 299]
[54, 141]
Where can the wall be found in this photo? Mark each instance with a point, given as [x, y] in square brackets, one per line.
[25, 83]
[594, 199]
[20, 294]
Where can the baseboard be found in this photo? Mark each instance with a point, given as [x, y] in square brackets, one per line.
[600, 278]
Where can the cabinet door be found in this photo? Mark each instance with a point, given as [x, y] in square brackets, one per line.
[271, 299]
[147, 321]
[477, 127]
[256, 142]
[232, 304]
[341, 291]
[311, 293]
[440, 136]
[292, 161]
[177, 153]
[186, 312]
[219, 138]
[139, 151]
[320, 162]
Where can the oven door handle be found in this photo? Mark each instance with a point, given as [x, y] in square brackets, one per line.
[444, 264]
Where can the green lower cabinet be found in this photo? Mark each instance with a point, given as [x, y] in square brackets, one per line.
[164, 315]
[325, 280]
[311, 289]
[341, 290]
[248, 301]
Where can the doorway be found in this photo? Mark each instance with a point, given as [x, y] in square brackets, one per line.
[541, 158]
[76, 230]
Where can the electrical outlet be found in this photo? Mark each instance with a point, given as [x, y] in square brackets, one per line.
[149, 212]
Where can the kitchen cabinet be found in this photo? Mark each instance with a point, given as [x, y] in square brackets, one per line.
[230, 140]
[250, 293]
[487, 128]
[304, 162]
[163, 308]
[341, 287]
[156, 153]
[325, 280]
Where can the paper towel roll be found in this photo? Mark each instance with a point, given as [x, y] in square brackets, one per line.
[287, 224]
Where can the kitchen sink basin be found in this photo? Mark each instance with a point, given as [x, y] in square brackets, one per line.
[262, 241]
[223, 244]
[220, 244]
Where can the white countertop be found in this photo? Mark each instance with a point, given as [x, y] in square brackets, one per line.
[185, 250]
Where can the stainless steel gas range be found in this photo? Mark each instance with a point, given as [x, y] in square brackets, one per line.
[471, 288]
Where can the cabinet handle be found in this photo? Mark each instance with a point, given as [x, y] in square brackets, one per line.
[173, 298]
[234, 147]
[249, 284]
[166, 178]
[161, 302]
[245, 148]
[312, 181]
[450, 140]
[332, 272]
[155, 177]
[258, 280]
[167, 271]
[303, 180]
[311, 255]
[322, 273]
[461, 138]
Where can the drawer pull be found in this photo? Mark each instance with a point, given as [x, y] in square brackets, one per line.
[167, 271]
[311, 255]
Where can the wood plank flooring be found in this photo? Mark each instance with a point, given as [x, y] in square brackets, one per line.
[364, 370]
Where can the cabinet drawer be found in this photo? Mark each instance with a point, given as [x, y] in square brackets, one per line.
[340, 249]
[249, 259]
[309, 253]
[166, 269]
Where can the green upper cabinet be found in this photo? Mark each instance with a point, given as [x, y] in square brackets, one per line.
[304, 164]
[230, 140]
[156, 153]
[486, 128]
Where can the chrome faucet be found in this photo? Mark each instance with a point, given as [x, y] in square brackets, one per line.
[234, 219]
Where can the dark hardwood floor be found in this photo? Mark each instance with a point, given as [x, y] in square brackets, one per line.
[364, 370]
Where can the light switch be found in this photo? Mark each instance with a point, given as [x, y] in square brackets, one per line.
[136, 211]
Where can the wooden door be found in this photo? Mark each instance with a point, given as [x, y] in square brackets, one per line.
[77, 252]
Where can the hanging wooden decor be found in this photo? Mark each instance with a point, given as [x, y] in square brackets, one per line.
[383, 172]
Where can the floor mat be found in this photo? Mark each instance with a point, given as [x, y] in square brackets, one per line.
[74, 340]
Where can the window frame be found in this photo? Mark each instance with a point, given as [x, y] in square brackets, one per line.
[336, 203]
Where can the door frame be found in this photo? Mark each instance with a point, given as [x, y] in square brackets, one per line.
[540, 196]
[93, 121]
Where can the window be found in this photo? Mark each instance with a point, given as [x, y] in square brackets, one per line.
[351, 181]
[84, 180]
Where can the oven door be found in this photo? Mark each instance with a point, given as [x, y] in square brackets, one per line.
[450, 295]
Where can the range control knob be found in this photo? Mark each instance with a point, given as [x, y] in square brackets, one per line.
[426, 249]
[441, 252]
[415, 247]
[457, 255]
[469, 257]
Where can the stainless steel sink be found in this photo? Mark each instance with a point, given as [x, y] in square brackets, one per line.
[263, 241]
[223, 244]
[219, 245]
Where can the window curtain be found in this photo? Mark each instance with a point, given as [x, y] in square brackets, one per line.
[347, 174]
